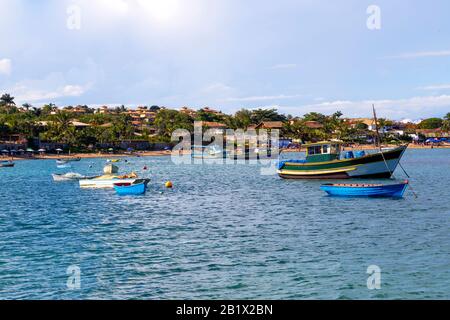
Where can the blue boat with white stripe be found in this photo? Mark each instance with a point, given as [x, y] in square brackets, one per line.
[366, 190]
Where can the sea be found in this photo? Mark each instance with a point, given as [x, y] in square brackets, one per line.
[225, 231]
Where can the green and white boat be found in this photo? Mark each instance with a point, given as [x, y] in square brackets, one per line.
[324, 161]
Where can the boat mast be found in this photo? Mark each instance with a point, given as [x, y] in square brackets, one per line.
[378, 142]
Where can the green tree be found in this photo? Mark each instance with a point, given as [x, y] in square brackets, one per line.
[261, 115]
[242, 119]
[431, 123]
[167, 121]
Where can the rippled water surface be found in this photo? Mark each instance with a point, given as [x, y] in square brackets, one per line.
[224, 231]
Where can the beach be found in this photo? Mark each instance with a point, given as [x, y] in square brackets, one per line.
[168, 152]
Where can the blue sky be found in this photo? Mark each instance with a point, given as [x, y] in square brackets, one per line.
[295, 55]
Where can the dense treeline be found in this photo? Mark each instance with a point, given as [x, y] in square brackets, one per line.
[47, 125]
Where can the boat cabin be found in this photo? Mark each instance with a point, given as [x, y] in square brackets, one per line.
[323, 151]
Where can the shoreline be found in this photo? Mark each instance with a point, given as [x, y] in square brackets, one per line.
[168, 153]
[90, 156]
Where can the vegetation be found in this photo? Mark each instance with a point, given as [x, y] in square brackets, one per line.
[56, 125]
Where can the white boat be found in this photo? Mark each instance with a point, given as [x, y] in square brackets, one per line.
[71, 176]
[105, 182]
[108, 179]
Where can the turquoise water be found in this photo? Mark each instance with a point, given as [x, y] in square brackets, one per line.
[223, 232]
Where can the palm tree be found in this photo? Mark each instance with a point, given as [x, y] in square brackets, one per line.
[27, 106]
[7, 100]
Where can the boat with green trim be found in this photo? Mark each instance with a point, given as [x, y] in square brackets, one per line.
[324, 161]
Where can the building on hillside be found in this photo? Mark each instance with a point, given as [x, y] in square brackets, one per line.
[370, 123]
[313, 125]
[433, 133]
[104, 110]
[188, 111]
[79, 125]
[142, 118]
[211, 111]
[270, 125]
[216, 127]
[13, 142]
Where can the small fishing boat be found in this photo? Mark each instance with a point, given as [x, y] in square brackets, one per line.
[135, 188]
[60, 162]
[208, 152]
[109, 178]
[113, 160]
[73, 159]
[366, 190]
[71, 176]
[6, 164]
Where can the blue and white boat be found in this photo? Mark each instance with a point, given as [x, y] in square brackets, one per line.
[366, 190]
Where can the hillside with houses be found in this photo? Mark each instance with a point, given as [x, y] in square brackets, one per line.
[87, 129]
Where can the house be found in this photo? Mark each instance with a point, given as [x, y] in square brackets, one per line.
[103, 110]
[313, 125]
[433, 133]
[370, 123]
[188, 111]
[212, 111]
[79, 125]
[270, 125]
[13, 142]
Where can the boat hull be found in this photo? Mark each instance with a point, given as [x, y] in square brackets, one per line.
[8, 165]
[394, 190]
[370, 166]
[134, 189]
[103, 183]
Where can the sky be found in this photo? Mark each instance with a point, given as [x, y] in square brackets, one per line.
[297, 56]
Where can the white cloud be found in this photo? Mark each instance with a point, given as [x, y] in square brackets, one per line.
[436, 87]
[25, 93]
[263, 98]
[284, 66]
[422, 54]
[414, 107]
[73, 90]
[5, 66]
[217, 87]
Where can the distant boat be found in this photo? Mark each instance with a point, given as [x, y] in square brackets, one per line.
[113, 160]
[366, 190]
[208, 152]
[136, 188]
[61, 162]
[6, 164]
[71, 176]
[73, 159]
[324, 161]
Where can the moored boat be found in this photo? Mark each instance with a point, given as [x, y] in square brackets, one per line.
[70, 176]
[324, 161]
[109, 178]
[208, 152]
[136, 188]
[61, 162]
[6, 164]
[366, 190]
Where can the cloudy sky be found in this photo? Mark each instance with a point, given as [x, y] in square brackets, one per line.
[295, 55]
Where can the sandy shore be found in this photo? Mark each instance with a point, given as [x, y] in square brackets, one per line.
[92, 155]
[168, 153]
